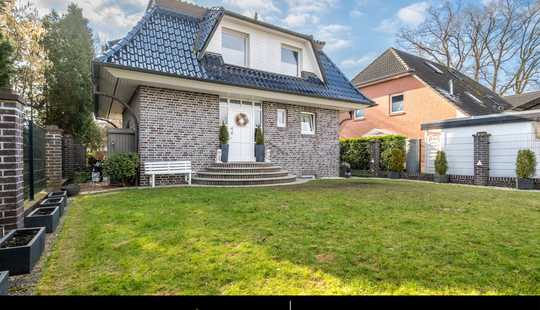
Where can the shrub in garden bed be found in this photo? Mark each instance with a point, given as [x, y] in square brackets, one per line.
[357, 151]
[122, 167]
[395, 159]
[47, 217]
[21, 249]
[525, 169]
[4, 285]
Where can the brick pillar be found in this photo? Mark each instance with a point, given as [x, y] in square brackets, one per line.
[481, 158]
[375, 152]
[11, 162]
[53, 156]
[67, 156]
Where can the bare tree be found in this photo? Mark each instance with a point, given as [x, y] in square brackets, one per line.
[441, 37]
[497, 43]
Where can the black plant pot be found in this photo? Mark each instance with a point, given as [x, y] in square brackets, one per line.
[21, 249]
[259, 153]
[394, 175]
[4, 285]
[224, 153]
[522, 183]
[47, 217]
[72, 189]
[440, 178]
[54, 202]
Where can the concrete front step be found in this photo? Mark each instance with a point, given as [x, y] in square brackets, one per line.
[241, 174]
[241, 165]
[245, 182]
[244, 169]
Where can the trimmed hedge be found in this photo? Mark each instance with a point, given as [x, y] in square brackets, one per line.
[356, 151]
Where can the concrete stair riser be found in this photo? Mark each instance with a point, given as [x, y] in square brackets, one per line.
[217, 175]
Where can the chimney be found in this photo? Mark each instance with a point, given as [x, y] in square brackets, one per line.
[451, 87]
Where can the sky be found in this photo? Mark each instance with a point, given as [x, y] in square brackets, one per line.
[355, 31]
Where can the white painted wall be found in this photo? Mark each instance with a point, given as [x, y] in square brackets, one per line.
[505, 142]
[265, 46]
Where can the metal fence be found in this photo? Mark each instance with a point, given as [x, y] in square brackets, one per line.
[34, 171]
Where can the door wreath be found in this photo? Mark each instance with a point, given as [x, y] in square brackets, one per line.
[241, 119]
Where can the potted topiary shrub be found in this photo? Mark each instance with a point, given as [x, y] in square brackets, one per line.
[122, 168]
[441, 167]
[47, 217]
[259, 144]
[224, 142]
[4, 285]
[525, 169]
[21, 249]
[396, 162]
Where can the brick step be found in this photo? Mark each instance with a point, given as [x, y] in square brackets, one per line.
[244, 169]
[241, 165]
[242, 174]
[244, 182]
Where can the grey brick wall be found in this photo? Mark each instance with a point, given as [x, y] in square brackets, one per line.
[303, 154]
[481, 154]
[176, 125]
[11, 165]
[53, 154]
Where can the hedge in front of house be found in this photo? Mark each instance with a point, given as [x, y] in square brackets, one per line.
[357, 151]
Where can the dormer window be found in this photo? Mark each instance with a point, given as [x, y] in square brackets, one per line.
[234, 47]
[290, 61]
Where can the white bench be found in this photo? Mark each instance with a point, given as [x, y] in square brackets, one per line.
[167, 167]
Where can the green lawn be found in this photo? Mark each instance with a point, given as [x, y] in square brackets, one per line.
[360, 236]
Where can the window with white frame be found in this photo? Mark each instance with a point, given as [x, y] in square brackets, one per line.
[396, 104]
[290, 60]
[281, 117]
[234, 47]
[307, 121]
[359, 114]
[223, 111]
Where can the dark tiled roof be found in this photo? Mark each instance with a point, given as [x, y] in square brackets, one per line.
[526, 101]
[165, 42]
[387, 64]
[465, 88]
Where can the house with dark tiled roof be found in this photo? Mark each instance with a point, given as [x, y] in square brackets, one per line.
[524, 102]
[184, 70]
[409, 91]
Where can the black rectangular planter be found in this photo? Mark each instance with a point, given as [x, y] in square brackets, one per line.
[21, 259]
[524, 183]
[440, 178]
[57, 194]
[47, 217]
[394, 175]
[53, 202]
[4, 285]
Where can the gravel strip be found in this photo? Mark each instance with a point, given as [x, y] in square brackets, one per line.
[26, 284]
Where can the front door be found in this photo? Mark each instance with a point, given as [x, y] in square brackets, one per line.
[241, 142]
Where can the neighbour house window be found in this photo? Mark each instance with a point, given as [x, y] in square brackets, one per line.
[281, 118]
[290, 61]
[359, 114]
[396, 104]
[234, 47]
[308, 123]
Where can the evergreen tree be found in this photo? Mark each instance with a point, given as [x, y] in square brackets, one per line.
[69, 100]
[6, 62]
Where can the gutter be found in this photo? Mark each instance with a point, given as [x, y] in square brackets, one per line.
[367, 102]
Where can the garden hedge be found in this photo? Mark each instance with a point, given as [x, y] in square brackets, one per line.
[357, 151]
